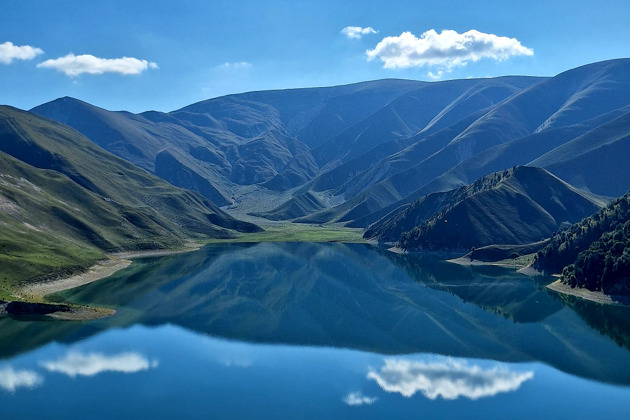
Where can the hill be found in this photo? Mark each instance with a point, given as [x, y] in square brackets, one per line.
[516, 206]
[595, 252]
[66, 201]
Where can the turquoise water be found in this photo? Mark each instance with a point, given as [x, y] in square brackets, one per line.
[322, 331]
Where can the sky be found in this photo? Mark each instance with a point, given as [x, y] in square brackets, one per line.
[163, 55]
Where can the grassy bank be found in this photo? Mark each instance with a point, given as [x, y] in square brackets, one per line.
[297, 232]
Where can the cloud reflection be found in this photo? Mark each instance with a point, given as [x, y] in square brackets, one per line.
[74, 364]
[357, 398]
[11, 379]
[448, 379]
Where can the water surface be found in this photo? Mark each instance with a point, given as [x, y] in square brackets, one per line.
[318, 331]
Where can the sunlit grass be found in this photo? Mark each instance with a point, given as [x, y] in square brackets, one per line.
[297, 232]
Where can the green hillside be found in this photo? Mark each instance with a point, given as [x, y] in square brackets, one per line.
[516, 206]
[65, 202]
[595, 252]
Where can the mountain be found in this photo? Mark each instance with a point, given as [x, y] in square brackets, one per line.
[65, 201]
[538, 120]
[595, 252]
[234, 140]
[278, 140]
[592, 161]
[364, 151]
[139, 139]
[298, 206]
[516, 206]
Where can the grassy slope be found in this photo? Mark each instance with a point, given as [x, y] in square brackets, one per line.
[512, 207]
[65, 202]
[34, 241]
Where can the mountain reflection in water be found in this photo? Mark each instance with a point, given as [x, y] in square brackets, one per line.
[343, 295]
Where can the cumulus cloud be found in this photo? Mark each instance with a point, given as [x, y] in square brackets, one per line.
[10, 52]
[75, 65]
[357, 398]
[11, 379]
[356, 32]
[445, 50]
[74, 364]
[448, 379]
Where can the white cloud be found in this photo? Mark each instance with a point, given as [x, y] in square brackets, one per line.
[445, 50]
[11, 379]
[75, 65]
[10, 52]
[435, 76]
[357, 398]
[448, 379]
[356, 32]
[240, 65]
[74, 364]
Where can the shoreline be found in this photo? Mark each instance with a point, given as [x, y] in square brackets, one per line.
[98, 271]
[102, 269]
[464, 261]
[37, 292]
[597, 297]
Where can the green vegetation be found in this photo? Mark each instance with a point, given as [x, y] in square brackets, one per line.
[65, 203]
[595, 252]
[297, 232]
[519, 206]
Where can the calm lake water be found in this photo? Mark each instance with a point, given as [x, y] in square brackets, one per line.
[318, 331]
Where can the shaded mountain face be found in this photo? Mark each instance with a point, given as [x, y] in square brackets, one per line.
[517, 206]
[62, 191]
[234, 140]
[277, 139]
[364, 151]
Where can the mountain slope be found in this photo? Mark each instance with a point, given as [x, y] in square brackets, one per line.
[594, 160]
[367, 149]
[586, 93]
[515, 206]
[273, 138]
[298, 206]
[566, 244]
[59, 188]
[139, 139]
[232, 140]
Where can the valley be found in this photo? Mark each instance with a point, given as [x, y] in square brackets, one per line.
[455, 165]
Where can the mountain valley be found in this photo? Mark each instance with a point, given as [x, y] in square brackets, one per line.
[456, 164]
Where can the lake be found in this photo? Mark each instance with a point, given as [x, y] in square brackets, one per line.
[318, 331]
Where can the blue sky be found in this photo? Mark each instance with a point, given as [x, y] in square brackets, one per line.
[177, 53]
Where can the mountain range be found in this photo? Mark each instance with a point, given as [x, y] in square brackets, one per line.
[525, 154]
[355, 153]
